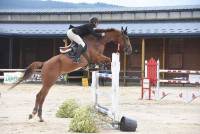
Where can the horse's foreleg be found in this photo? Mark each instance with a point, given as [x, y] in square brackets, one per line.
[103, 59]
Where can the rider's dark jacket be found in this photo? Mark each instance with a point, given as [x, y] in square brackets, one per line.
[85, 29]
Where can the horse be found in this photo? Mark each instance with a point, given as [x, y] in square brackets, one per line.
[61, 63]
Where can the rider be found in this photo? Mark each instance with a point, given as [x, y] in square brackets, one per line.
[77, 33]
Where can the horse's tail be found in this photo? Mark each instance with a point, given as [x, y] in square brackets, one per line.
[28, 72]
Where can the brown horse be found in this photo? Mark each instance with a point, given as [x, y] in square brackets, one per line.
[60, 64]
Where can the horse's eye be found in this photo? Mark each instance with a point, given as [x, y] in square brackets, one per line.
[126, 37]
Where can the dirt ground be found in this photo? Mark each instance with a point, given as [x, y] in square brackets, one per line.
[170, 115]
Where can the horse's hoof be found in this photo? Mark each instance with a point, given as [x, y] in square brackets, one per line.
[41, 120]
[30, 116]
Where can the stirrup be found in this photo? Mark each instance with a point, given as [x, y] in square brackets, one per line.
[65, 49]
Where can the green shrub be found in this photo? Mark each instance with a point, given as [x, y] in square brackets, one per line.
[67, 109]
[83, 121]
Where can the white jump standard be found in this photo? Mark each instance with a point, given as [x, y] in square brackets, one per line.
[124, 124]
[115, 69]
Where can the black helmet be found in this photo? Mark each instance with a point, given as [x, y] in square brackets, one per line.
[94, 20]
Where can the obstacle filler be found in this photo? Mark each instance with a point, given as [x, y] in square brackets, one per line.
[125, 124]
[152, 78]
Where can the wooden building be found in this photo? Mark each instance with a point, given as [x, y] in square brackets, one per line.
[170, 34]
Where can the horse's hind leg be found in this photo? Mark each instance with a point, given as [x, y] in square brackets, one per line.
[48, 80]
[35, 109]
[44, 93]
[37, 101]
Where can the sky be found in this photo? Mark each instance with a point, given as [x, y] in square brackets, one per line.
[139, 3]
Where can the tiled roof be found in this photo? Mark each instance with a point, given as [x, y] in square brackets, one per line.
[134, 29]
[119, 9]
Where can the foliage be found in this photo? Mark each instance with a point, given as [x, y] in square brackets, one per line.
[83, 121]
[67, 109]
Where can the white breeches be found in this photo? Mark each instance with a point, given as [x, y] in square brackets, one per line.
[76, 38]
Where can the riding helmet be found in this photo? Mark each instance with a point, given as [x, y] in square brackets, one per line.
[94, 20]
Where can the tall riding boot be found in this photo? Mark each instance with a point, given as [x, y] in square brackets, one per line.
[78, 53]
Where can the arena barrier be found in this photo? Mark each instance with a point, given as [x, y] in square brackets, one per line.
[125, 124]
[11, 76]
[152, 78]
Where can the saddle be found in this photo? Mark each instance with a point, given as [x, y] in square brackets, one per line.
[70, 50]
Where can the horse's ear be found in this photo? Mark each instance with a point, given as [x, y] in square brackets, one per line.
[122, 29]
[125, 30]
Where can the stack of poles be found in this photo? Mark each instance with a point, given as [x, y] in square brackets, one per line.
[115, 69]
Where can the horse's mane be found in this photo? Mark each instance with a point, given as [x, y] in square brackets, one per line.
[105, 30]
[102, 31]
